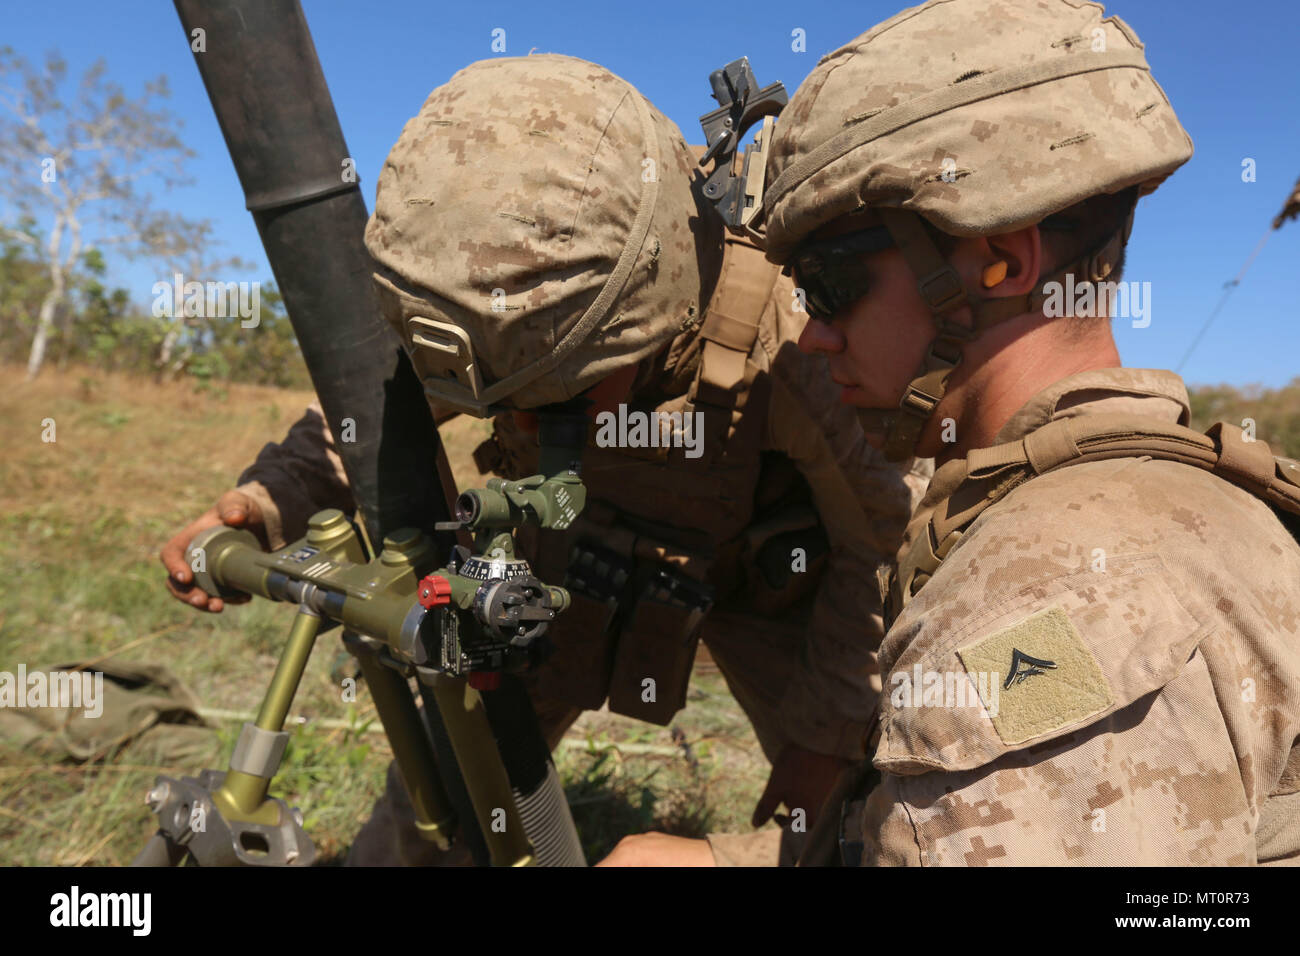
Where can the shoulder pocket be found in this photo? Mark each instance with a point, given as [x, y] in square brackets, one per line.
[1054, 658]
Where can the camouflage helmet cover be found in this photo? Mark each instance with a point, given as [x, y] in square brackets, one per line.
[1035, 104]
[533, 225]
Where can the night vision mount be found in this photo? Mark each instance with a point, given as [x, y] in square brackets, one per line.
[741, 104]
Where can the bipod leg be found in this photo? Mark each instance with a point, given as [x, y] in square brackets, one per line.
[435, 817]
[160, 851]
[226, 818]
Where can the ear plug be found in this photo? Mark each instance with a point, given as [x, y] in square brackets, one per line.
[994, 274]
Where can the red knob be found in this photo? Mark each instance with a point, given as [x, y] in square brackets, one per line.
[433, 591]
[483, 680]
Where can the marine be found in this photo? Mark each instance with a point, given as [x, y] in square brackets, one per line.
[1135, 583]
[526, 257]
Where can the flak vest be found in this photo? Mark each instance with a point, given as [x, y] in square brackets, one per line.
[662, 534]
[988, 475]
[985, 477]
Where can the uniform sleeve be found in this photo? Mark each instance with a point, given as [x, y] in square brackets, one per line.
[1154, 784]
[1101, 672]
[1066, 706]
[760, 848]
[294, 479]
[864, 503]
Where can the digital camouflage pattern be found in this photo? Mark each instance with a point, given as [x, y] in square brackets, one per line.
[1167, 731]
[971, 113]
[504, 209]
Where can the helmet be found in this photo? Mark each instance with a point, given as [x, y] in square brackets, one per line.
[976, 117]
[533, 229]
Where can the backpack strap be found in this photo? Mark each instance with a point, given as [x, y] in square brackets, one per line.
[989, 474]
[730, 330]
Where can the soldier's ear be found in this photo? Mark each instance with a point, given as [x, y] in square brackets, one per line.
[1022, 251]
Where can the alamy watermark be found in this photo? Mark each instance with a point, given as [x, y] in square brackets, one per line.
[210, 300]
[637, 429]
[72, 689]
[1116, 300]
[75, 908]
[918, 688]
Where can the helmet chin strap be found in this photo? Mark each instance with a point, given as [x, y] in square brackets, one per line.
[944, 293]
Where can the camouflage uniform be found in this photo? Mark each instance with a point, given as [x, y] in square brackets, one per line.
[1167, 731]
[801, 664]
[1103, 666]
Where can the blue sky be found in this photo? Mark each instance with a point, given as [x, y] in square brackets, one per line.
[1230, 72]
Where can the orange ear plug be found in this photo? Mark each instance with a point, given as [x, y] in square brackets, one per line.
[994, 274]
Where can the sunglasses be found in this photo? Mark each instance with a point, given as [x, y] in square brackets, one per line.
[830, 273]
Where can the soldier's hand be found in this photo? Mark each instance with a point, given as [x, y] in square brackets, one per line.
[800, 779]
[235, 509]
[659, 849]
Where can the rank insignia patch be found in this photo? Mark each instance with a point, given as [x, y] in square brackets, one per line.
[1050, 678]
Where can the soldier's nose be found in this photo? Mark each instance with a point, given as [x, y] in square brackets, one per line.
[817, 336]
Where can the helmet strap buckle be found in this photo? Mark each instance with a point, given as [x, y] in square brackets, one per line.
[942, 290]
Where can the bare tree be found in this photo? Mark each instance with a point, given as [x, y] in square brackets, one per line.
[190, 254]
[83, 165]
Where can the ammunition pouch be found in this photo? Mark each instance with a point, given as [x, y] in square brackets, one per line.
[582, 654]
[631, 619]
[638, 601]
[656, 648]
[583, 638]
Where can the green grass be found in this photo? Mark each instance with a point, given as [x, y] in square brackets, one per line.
[702, 774]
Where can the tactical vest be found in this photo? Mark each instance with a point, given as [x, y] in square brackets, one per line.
[990, 474]
[663, 535]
